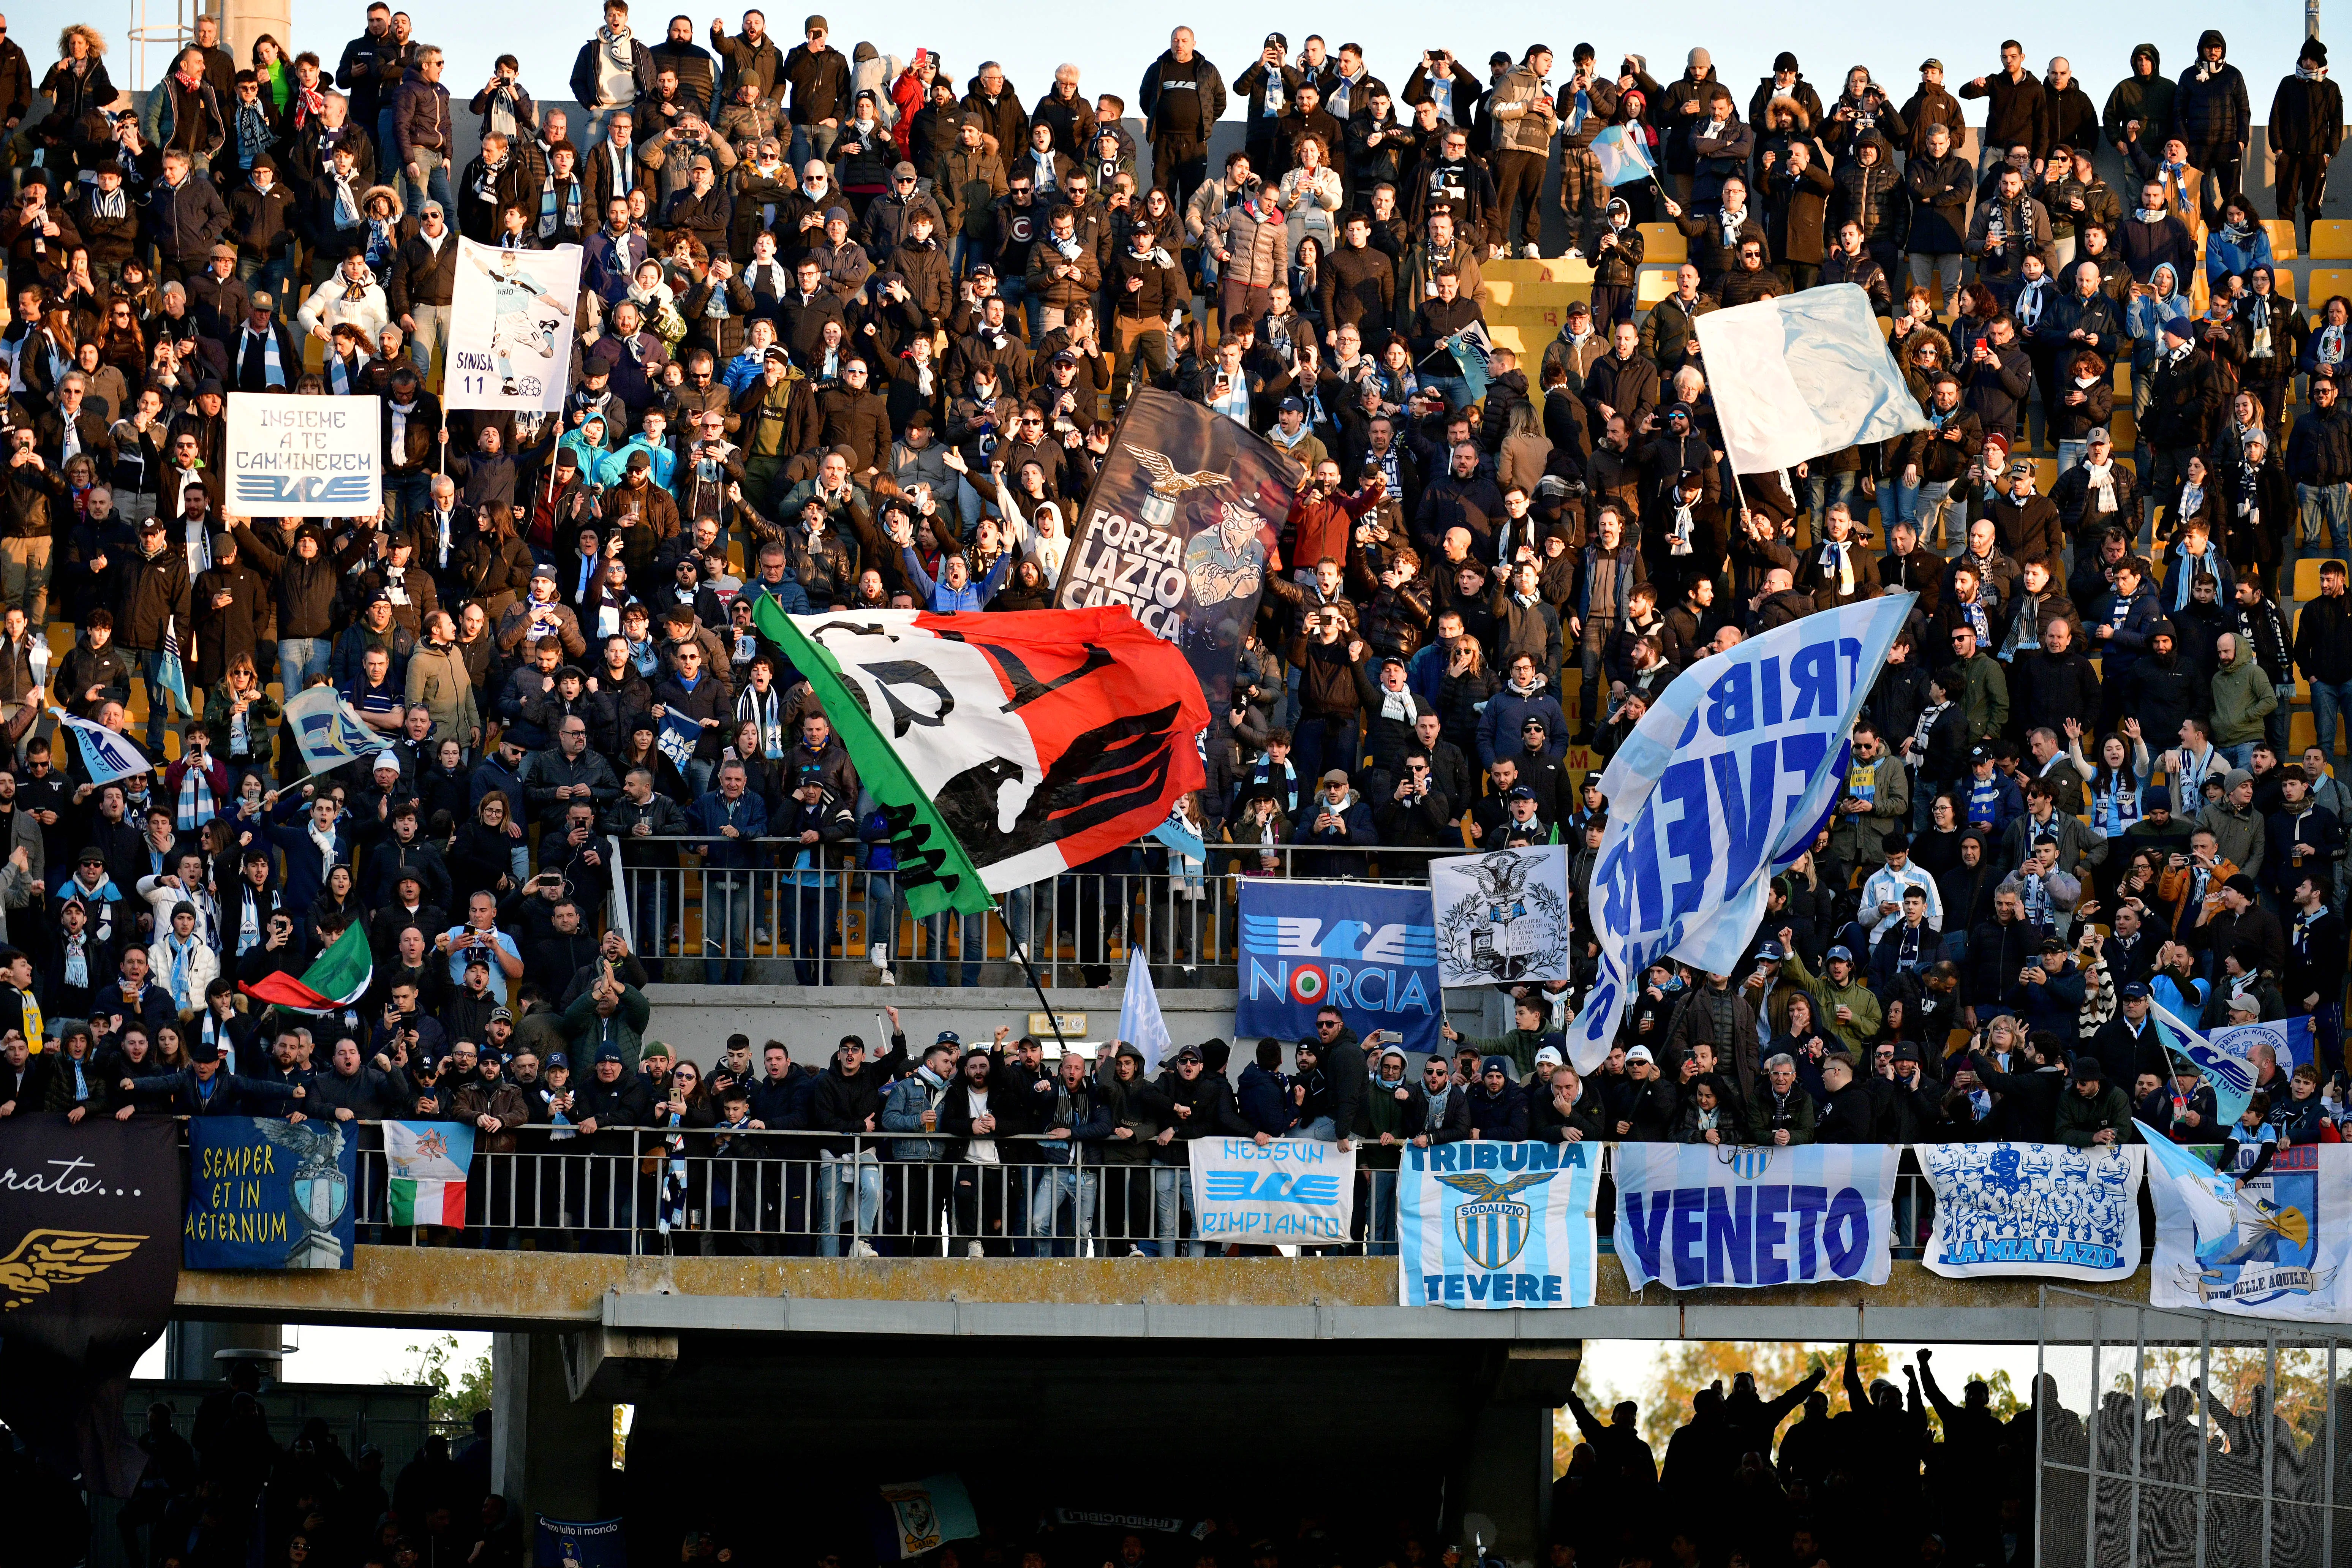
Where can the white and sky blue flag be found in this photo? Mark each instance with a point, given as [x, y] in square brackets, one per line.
[1726, 775]
[1802, 375]
[329, 729]
[1624, 157]
[1489, 1225]
[2190, 1186]
[1692, 1215]
[2225, 1059]
[107, 755]
[1139, 1023]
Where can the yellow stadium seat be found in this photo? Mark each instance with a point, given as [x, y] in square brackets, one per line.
[2283, 283]
[2046, 474]
[1885, 326]
[2123, 428]
[2331, 240]
[1653, 284]
[2327, 282]
[2302, 730]
[2123, 377]
[1664, 242]
[2281, 233]
[2306, 577]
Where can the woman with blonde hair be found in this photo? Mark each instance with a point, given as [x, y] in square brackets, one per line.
[77, 83]
[1526, 449]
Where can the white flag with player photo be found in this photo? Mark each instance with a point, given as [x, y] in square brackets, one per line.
[511, 323]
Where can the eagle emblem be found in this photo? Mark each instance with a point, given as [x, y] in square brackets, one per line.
[1492, 1228]
[46, 1259]
[1166, 480]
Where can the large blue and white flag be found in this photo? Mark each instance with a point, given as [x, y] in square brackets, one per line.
[1726, 777]
[678, 739]
[1802, 375]
[1624, 156]
[1290, 1191]
[2033, 1208]
[169, 670]
[2224, 1059]
[2287, 1249]
[329, 729]
[1489, 1225]
[1692, 1215]
[107, 755]
[2288, 1039]
[1139, 1023]
[2183, 1185]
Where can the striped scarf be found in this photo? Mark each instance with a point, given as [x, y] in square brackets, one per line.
[196, 804]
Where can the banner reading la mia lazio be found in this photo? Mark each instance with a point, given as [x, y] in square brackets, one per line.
[1694, 1214]
[1489, 1225]
[1729, 771]
[1290, 1190]
[2033, 1208]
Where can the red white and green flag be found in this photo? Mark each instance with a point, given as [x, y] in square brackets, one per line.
[425, 1162]
[336, 980]
[1001, 748]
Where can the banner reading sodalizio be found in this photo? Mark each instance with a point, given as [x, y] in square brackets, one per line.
[510, 328]
[2041, 1209]
[1179, 528]
[1502, 916]
[1492, 1224]
[1297, 1189]
[1728, 773]
[2286, 1256]
[304, 456]
[1690, 1216]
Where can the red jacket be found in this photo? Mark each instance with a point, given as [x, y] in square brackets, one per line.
[1321, 526]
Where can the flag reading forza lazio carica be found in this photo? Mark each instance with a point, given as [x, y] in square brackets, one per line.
[1726, 775]
[1001, 748]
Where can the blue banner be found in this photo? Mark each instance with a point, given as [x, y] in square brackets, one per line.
[1489, 1225]
[580, 1543]
[1692, 1215]
[677, 738]
[264, 1193]
[1369, 951]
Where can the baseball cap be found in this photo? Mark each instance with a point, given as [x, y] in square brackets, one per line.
[1770, 953]
[1521, 793]
[555, 1059]
[2136, 992]
[500, 1014]
[903, 172]
[1907, 1052]
[949, 1037]
[1190, 1052]
[1931, 64]
[263, 300]
[2051, 945]
[1840, 954]
[1291, 405]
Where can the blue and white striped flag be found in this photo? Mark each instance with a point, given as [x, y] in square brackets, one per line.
[1489, 1224]
[107, 755]
[1625, 158]
[328, 730]
[169, 670]
[2224, 1059]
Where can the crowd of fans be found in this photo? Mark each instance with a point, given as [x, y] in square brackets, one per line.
[852, 335]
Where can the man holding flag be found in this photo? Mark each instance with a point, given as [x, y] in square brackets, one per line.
[1586, 106]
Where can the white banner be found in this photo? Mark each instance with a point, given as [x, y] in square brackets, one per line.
[1293, 1190]
[510, 328]
[2033, 1208]
[1801, 375]
[1502, 916]
[2286, 1257]
[304, 456]
[1731, 770]
[1691, 1215]
[106, 755]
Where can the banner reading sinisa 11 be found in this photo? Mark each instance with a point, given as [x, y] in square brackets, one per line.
[1179, 528]
[511, 322]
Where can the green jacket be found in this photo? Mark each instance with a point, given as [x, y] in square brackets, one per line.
[1983, 697]
[1857, 839]
[2242, 698]
[1859, 1034]
[627, 1028]
[1519, 1045]
[1759, 1114]
[2078, 1119]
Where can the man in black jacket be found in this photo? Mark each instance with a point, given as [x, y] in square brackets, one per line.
[849, 1101]
[2319, 461]
[2322, 646]
[1202, 1103]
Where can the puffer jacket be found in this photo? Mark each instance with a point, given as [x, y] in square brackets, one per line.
[1256, 243]
[1530, 130]
[1871, 193]
[2208, 105]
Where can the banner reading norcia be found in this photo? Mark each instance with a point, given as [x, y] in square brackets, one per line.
[304, 456]
[1490, 1225]
[1692, 1215]
[2033, 1208]
[1290, 1190]
[1731, 771]
[1368, 951]
[1179, 528]
[510, 326]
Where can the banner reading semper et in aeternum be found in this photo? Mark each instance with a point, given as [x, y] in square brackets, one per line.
[1729, 774]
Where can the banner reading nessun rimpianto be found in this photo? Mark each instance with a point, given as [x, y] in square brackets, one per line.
[1179, 528]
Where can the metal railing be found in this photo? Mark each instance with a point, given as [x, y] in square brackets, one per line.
[764, 1192]
[691, 922]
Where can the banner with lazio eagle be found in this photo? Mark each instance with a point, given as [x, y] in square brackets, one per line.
[1727, 778]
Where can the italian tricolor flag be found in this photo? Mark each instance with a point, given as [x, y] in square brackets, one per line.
[338, 980]
[426, 1161]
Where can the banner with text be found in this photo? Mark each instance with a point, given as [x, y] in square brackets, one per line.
[1692, 1215]
[2285, 1256]
[1293, 1190]
[1482, 1225]
[304, 456]
[510, 328]
[264, 1193]
[1178, 529]
[579, 1544]
[1369, 951]
[1502, 916]
[1730, 773]
[2033, 1208]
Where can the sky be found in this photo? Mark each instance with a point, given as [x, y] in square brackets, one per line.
[1117, 42]
[330, 1353]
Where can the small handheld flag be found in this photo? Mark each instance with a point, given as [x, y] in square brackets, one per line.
[340, 977]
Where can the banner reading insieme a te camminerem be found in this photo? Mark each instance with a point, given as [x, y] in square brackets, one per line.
[303, 457]
[1728, 774]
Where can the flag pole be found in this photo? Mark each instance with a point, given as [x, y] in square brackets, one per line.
[1020, 952]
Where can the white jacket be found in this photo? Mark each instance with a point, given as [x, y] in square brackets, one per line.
[328, 307]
